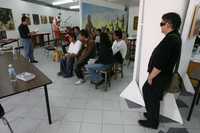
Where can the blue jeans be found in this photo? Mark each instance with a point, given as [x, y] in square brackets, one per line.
[28, 48]
[94, 69]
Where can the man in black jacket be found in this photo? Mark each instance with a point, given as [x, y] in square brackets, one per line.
[160, 68]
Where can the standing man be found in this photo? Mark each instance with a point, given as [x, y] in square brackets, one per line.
[25, 36]
[160, 68]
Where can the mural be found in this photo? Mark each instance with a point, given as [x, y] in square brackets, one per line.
[36, 19]
[6, 19]
[94, 16]
[28, 16]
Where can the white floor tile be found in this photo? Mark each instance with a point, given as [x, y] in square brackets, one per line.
[94, 116]
[113, 129]
[74, 115]
[111, 117]
[90, 128]
[70, 128]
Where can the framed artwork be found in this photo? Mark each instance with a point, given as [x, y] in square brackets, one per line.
[43, 19]
[6, 19]
[36, 19]
[195, 26]
[28, 16]
[51, 19]
[135, 22]
[3, 34]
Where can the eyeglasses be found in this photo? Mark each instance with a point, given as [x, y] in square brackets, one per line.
[162, 24]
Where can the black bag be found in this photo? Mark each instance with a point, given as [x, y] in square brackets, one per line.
[176, 82]
[2, 112]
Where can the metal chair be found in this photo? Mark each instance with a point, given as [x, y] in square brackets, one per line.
[5, 121]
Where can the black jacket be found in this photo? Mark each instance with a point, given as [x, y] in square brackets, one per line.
[105, 55]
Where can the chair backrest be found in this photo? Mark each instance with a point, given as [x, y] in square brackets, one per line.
[2, 112]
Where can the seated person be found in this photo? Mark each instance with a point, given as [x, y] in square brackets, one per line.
[104, 60]
[66, 64]
[119, 47]
[87, 52]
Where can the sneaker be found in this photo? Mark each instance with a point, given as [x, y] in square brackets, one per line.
[80, 81]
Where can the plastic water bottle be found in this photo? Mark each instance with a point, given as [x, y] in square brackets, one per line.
[11, 73]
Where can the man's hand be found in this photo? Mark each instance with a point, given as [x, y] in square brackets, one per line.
[149, 81]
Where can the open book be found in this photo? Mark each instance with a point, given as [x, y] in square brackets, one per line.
[25, 76]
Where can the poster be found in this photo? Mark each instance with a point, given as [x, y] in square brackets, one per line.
[36, 19]
[6, 19]
[43, 19]
[29, 18]
[94, 16]
[135, 22]
[51, 19]
[195, 27]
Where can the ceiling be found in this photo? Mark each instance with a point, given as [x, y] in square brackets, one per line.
[122, 2]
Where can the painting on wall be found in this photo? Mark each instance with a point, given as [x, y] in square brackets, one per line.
[135, 22]
[36, 19]
[29, 18]
[6, 19]
[94, 16]
[195, 26]
[3, 34]
[43, 19]
[51, 19]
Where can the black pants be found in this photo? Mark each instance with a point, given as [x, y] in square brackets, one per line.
[152, 97]
[79, 69]
[66, 67]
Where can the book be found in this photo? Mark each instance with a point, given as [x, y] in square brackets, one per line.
[25, 76]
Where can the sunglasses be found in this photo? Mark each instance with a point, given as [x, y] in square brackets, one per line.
[162, 24]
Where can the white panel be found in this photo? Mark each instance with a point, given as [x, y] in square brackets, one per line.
[150, 37]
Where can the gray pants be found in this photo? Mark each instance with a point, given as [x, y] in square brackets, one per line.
[28, 49]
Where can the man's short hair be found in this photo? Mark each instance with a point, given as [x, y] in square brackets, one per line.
[172, 18]
[84, 33]
[118, 33]
[24, 18]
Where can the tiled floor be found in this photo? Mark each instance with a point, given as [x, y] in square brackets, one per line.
[81, 109]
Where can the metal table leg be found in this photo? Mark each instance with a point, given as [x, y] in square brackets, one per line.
[193, 102]
[47, 103]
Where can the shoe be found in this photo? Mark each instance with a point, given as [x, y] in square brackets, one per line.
[148, 124]
[59, 73]
[80, 81]
[146, 115]
[34, 61]
[97, 82]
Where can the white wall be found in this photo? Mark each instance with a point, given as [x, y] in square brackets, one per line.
[133, 11]
[187, 46]
[18, 7]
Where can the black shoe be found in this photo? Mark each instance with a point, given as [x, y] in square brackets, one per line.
[59, 73]
[97, 82]
[148, 124]
[34, 61]
[146, 115]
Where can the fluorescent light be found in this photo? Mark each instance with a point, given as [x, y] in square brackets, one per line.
[75, 7]
[62, 2]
